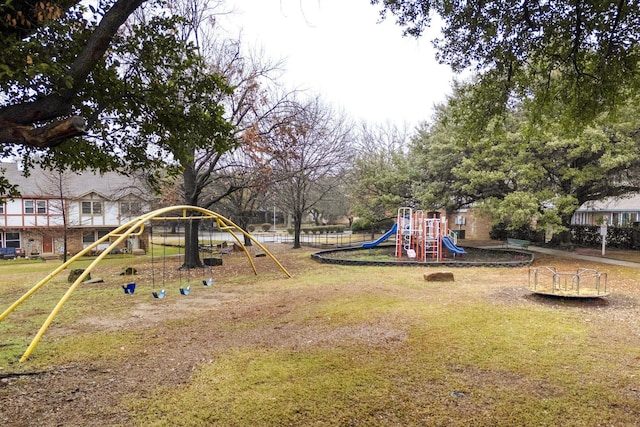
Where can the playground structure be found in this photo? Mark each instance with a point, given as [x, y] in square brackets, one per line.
[420, 237]
[116, 237]
[583, 283]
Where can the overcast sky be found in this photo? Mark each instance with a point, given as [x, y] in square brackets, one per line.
[338, 49]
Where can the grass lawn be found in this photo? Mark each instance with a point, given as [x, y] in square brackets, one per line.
[332, 346]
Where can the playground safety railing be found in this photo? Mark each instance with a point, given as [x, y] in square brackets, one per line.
[344, 239]
[583, 282]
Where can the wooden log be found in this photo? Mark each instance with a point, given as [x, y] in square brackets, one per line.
[439, 276]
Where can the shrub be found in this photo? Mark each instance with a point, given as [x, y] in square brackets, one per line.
[360, 225]
[501, 232]
[266, 226]
[364, 226]
[498, 231]
[617, 237]
[321, 229]
[251, 228]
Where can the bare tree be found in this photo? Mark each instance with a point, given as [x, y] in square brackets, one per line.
[251, 101]
[249, 169]
[380, 180]
[315, 147]
[57, 183]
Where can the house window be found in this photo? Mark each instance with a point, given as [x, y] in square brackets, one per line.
[35, 206]
[1, 208]
[12, 240]
[129, 208]
[88, 237]
[91, 208]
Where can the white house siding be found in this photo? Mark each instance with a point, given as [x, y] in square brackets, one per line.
[73, 211]
[619, 211]
[15, 221]
[111, 213]
[14, 207]
[92, 221]
[39, 231]
[56, 221]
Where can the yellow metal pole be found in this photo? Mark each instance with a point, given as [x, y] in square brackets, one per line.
[72, 288]
[228, 224]
[266, 251]
[246, 252]
[54, 273]
[133, 227]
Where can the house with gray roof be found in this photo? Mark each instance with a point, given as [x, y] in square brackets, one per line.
[619, 211]
[83, 206]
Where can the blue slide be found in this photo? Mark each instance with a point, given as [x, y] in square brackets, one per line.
[382, 238]
[448, 243]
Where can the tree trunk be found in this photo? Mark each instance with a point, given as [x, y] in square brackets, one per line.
[243, 223]
[191, 235]
[65, 226]
[192, 245]
[46, 136]
[564, 237]
[297, 227]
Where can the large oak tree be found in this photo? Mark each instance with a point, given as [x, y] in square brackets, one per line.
[521, 170]
[56, 78]
[49, 51]
[583, 53]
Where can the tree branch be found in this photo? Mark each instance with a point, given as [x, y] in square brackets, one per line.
[59, 103]
[47, 136]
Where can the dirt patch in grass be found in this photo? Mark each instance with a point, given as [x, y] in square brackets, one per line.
[147, 344]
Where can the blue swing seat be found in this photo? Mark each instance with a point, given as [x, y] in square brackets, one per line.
[185, 291]
[159, 295]
[129, 288]
[208, 282]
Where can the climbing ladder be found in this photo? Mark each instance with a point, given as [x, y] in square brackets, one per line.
[405, 232]
[419, 238]
[432, 238]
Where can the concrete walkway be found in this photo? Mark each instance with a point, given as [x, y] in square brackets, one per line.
[590, 258]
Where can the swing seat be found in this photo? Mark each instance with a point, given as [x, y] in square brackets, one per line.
[159, 295]
[185, 291]
[208, 282]
[129, 288]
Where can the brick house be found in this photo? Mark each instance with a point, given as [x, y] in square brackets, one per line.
[87, 205]
[469, 224]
